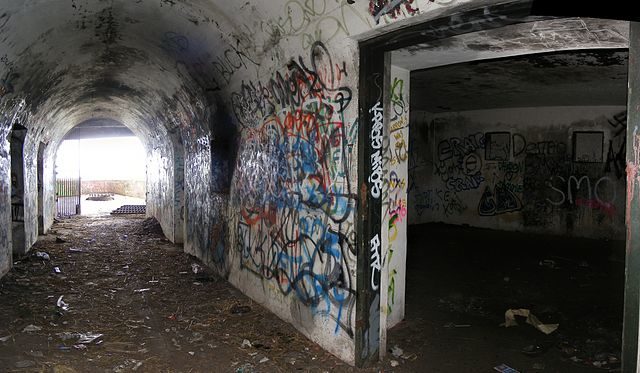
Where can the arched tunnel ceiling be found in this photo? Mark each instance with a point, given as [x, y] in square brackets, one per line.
[130, 61]
[150, 62]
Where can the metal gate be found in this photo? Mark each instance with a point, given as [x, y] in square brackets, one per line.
[68, 197]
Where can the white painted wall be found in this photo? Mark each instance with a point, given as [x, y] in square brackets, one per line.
[395, 214]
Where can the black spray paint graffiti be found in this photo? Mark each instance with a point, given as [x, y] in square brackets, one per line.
[256, 101]
[617, 159]
[438, 200]
[549, 148]
[498, 201]
[391, 8]
[232, 60]
[459, 164]
[503, 195]
[292, 186]
[312, 21]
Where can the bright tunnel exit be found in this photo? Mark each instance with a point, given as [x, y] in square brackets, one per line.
[111, 173]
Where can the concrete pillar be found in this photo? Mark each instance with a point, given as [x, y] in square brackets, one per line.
[632, 283]
[394, 214]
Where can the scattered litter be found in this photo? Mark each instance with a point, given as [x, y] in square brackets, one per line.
[510, 320]
[42, 255]
[264, 360]
[141, 290]
[239, 310]
[191, 353]
[35, 353]
[57, 270]
[31, 328]
[183, 272]
[583, 264]
[454, 325]
[61, 304]
[533, 350]
[549, 263]
[76, 250]
[80, 347]
[394, 363]
[246, 368]
[25, 364]
[246, 343]
[196, 268]
[396, 351]
[89, 337]
[138, 365]
[4, 339]
[504, 368]
[125, 366]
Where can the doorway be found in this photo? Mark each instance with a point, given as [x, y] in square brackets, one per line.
[445, 138]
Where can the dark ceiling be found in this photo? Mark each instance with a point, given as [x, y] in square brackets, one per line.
[574, 78]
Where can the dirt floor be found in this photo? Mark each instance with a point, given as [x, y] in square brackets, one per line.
[125, 299]
[461, 281]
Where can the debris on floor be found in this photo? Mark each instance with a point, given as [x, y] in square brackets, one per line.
[150, 226]
[504, 368]
[533, 350]
[91, 319]
[396, 351]
[510, 320]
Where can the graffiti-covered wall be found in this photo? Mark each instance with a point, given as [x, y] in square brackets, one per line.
[160, 187]
[558, 170]
[293, 200]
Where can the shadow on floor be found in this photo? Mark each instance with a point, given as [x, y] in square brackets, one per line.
[460, 282]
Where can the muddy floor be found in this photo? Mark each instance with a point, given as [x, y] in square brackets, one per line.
[461, 281]
[114, 296]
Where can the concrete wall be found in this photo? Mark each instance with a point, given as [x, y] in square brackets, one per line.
[293, 194]
[48, 187]
[31, 191]
[160, 188]
[394, 222]
[515, 169]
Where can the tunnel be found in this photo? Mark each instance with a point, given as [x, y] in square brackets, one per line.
[296, 147]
